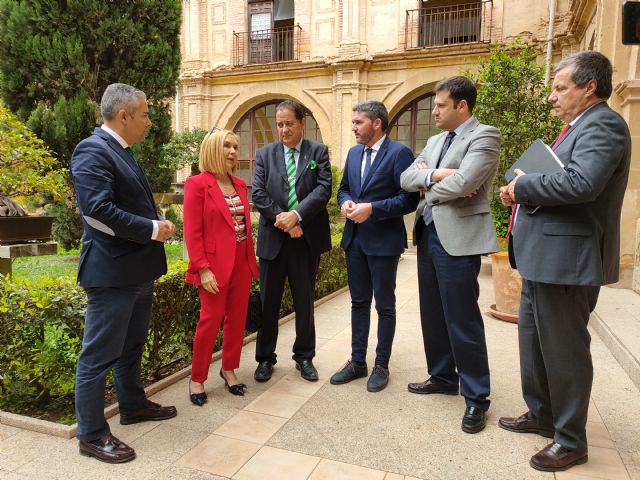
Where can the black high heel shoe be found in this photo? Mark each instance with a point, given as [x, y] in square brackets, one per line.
[237, 389]
[198, 399]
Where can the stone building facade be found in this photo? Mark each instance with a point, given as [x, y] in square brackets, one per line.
[240, 57]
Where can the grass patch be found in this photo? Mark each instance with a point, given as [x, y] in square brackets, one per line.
[65, 263]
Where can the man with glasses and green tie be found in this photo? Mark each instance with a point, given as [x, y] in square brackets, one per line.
[291, 188]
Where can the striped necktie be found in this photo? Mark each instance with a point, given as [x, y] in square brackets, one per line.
[292, 201]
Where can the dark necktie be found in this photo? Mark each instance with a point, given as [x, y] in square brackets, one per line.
[445, 147]
[130, 152]
[367, 163]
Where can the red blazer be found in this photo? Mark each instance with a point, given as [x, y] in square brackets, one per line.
[208, 229]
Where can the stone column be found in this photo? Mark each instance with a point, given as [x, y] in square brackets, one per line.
[629, 93]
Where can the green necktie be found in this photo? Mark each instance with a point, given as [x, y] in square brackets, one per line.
[292, 201]
[130, 151]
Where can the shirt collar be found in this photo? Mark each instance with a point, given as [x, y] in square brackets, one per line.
[118, 138]
[297, 147]
[462, 126]
[573, 122]
[376, 146]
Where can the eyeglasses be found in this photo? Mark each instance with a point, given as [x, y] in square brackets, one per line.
[215, 129]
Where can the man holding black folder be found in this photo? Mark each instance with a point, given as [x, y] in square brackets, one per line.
[566, 243]
[453, 228]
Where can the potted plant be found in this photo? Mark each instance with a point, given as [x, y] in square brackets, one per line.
[512, 97]
[27, 168]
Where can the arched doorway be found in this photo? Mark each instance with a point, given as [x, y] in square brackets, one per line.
[257, 128]
[413, 125]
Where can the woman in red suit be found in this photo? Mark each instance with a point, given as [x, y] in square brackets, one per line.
[217, 232]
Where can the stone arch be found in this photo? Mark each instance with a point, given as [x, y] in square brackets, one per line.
[250, 98]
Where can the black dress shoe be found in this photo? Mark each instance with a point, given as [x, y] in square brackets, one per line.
[523, 424]
[107, 449]
[429, 386]
[378, 379]
[263, 371]
[474, 420]
[307, 370]
[152, 412]
[349, 372]
[555, 458]
[237, 389]
[198, 399]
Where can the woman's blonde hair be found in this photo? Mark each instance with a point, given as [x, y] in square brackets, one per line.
[212, 157]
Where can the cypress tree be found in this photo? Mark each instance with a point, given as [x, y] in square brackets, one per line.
[58, 56]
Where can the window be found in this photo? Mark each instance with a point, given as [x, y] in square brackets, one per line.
[414, 124]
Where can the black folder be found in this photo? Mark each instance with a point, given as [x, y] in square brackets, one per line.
[538, 158]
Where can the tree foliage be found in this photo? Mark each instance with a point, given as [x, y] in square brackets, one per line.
[27, 167]
[512, 97]
[57, 57]
[183, 148]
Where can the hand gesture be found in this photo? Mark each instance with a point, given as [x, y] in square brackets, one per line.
[208, 280]
[166, 230]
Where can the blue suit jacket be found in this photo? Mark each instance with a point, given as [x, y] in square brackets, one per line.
[383, 234]
[117, 209]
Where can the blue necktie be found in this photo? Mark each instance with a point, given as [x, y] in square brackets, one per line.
[367, 164]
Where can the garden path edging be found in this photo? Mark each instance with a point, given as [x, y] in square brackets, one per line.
[69, 431]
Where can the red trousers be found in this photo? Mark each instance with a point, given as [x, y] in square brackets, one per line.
[231, 301]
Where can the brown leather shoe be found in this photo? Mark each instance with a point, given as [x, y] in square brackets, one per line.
[107, 449]
[152, 412]
[554, 458]
[523, 424]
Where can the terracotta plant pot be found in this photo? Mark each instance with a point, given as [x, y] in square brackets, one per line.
[25, 229]
[507, 285]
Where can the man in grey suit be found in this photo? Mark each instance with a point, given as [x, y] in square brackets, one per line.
[566, 243]
[453, 228]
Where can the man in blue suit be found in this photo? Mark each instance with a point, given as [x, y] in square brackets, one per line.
[373, 203]
[122, 255]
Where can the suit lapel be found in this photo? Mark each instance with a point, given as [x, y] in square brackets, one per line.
[127, 159]
[380, 157]
[585, 116]
[303, 159]
[281, 162]
[457, 142]
[357, 169]
[214, 192]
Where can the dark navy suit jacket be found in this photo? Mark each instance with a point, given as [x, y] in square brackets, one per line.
[383, 234]
[117, 209]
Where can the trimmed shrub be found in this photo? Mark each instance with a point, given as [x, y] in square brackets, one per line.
[41, 328]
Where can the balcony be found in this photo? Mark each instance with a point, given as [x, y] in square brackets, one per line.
[266, 46]
[449, 25]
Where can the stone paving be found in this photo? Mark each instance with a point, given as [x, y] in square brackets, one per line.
[291, 429]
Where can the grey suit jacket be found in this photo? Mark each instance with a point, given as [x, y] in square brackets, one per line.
[574, 238]
[463, 223]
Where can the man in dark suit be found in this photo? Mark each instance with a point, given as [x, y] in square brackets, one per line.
[122, 255]
[291, 188]
[566, 243]
[373, 203]
[453, 228]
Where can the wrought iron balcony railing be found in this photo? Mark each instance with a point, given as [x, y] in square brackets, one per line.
[266, 46]
[449, 25]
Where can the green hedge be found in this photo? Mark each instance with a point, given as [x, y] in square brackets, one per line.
[41, 326]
